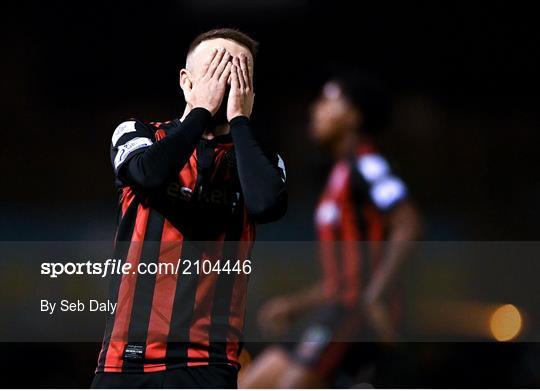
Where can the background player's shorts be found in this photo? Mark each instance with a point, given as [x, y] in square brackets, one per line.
[208, 376]
[330, 336]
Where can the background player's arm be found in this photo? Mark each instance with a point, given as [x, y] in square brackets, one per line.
[262, 178]
[389, 195]
[404, 227]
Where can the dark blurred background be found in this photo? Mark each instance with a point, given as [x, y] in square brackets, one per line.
[464, 82]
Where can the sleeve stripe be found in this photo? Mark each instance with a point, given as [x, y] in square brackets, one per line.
[387, 191]
[123, 128]
[128, 148]
[281, 165]
[373, 167]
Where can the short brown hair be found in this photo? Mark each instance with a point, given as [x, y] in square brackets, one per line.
[226, 33]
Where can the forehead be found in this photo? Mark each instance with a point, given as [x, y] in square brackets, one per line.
[204, 49]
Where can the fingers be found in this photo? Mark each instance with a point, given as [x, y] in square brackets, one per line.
[235, 81]
[216, 61]
[225, 60]
[208, 61]
[245, 71]
[226, 73]
[239, 75]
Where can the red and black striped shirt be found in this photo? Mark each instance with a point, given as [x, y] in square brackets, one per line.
[349, 220]
[205, 208]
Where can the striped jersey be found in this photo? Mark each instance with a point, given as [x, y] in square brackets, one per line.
[349, 221]
[175, 319]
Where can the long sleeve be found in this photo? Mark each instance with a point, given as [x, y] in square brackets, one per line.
[262, 176]
[153, 162]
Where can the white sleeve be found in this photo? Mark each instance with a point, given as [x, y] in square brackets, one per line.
[385, 189]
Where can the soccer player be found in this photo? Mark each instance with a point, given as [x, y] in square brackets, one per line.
[364, 203]
[191, 188]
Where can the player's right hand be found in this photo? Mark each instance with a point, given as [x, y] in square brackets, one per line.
[208, 90]
[275, 316]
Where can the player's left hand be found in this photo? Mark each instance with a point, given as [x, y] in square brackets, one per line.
[241, 96]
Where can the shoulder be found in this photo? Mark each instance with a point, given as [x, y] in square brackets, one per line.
[386, 189]
[130, 129]
[130, 137]
[372, 166]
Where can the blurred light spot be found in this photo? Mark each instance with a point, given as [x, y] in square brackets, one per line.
[505, 322]
[332, 90]
[387, 191]
[373, 166]
[328, 213]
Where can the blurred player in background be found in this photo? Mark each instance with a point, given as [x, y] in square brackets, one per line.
[364, 201]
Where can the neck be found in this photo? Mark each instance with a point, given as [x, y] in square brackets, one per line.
[217, 131]
[345, 145]
[209, 134]
[187, 109]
